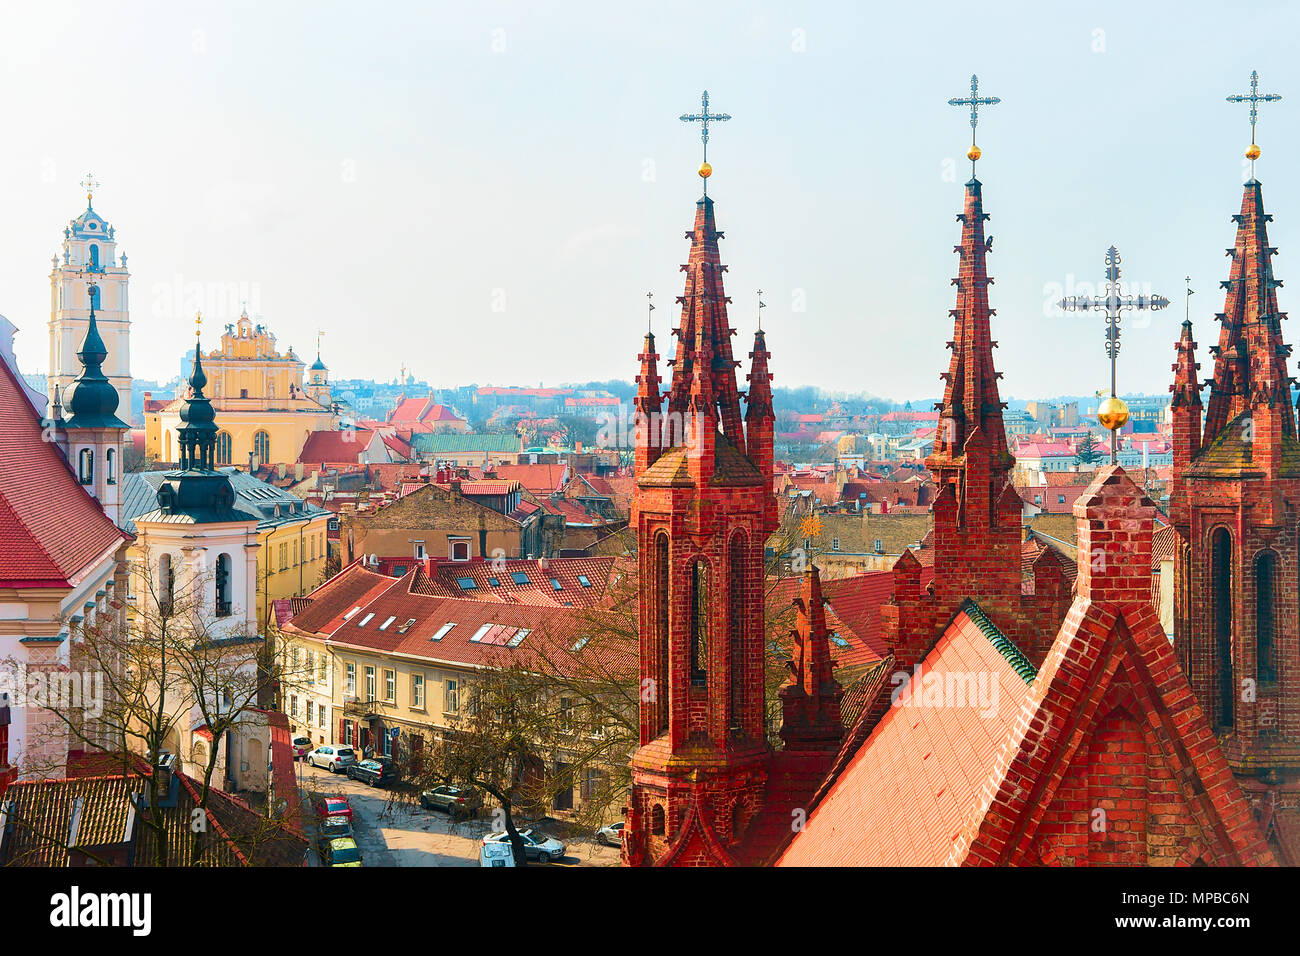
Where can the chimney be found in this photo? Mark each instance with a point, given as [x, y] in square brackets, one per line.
[297, 471]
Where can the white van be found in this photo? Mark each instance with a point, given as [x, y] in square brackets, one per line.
[496, 854]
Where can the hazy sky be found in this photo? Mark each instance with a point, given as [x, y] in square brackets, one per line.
[487, 191]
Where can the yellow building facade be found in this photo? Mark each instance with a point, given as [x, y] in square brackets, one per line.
[265, 400]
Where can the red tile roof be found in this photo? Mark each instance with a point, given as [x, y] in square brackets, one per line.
[924, 772]
[444, 577]
[538, 479]
[335, 447]
[351, 587]
[483, 632]
[51, 529]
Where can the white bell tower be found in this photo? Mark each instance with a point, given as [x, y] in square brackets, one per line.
[90, 265]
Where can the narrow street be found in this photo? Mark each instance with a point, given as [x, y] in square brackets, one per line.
[392, 832]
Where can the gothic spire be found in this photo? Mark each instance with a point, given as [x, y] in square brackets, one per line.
[648, 407]
[1250, 359]
[971, 402]
[810, 700]
[704, 333]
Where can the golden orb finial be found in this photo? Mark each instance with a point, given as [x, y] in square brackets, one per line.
[1113, 413]
[705, 170]
[1252, 152]
[973, 153]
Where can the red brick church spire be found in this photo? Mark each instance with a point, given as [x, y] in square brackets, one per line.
[702, 512]
[648, 405]
[810, 700]
[1250, 359]
[1236, 507]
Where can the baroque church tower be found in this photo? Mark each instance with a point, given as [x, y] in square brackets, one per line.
[703, 510]
[1235, 502]
[90, 266]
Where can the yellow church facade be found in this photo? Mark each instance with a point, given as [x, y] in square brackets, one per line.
[267, 402]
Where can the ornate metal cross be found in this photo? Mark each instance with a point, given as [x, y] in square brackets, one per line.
[1254, 99]
[974, 102]
[704, 118]
[650, 307]
[1112, 304]
[89, 185]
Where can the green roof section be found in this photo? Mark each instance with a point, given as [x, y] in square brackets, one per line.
[434, 444]
[1019, 663]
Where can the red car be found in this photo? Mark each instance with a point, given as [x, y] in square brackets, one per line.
[333, 807]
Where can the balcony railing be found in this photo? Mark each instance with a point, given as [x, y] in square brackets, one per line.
[361, 708]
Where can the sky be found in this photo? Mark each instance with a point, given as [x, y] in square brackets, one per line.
[486, 192]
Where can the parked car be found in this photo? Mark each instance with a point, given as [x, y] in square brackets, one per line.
[341, 852]
[301, 747]
[611, 835]
[333, 807]
[333, 758]
[334, 827]
[374, 772]
[496, 854]
[537, 846]
[457, 801]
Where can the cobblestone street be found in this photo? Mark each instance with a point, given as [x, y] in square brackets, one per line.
[391, 831]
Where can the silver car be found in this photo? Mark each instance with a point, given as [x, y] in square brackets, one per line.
[611, 835]
[332, 757]
[537, 846]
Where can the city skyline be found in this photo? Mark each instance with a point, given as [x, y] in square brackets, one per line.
[328, 191]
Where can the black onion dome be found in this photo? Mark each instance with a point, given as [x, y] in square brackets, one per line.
[94, 400]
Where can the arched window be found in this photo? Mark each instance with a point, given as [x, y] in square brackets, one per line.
[735, 617]
[262, 448]
[1266, 616]
[94, 264]
[223, 590]
[110, 466]
[657, 820]
[223, 448]
[1221, 583]
[661, 684]
[86, 466]
[699, 624]
[166, 583]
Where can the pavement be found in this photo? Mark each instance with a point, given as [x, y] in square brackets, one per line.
[393, 830]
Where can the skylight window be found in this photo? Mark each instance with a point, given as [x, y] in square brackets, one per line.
[365, 620]
[477, 636]
[520, 577]
[555, 583]
[467, 584]
[580, 643]
[348, 616]
[518, 637]
[494, 582]
[384, 626]
[410, 622]
[582, 579]
[443, 631]
[839, 641]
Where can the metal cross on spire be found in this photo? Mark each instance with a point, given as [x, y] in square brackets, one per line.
[974, 101]
[89, 185]
[1112, 304]
[704, 118]
[650, 307]
[1254, 99]
[761, 306]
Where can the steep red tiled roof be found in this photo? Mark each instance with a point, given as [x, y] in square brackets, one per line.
[351, 587]
[51, 529]
[335, 447]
